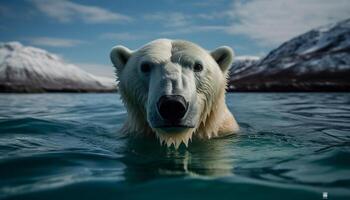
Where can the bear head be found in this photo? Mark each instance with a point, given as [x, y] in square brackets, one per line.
[171, 88]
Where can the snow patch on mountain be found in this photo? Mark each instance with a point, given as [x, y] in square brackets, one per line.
[26, 69]
[318, 57]
[241, 64]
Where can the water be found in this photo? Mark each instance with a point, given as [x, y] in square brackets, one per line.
[67, 146]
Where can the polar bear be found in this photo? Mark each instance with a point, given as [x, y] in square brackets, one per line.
[174, 90]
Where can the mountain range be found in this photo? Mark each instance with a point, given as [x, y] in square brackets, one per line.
[318, 60]
[30, 69]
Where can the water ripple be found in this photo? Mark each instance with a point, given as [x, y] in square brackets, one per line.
[54, 146]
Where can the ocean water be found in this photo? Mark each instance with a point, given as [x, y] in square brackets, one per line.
[67, 146]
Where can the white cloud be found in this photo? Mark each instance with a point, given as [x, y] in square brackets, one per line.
[271, 22]
[120, 36]
[170, 19]
[193, 29]
[175, 23]
[214, 15]
[66, 11]
[207, 3]
[54, 42]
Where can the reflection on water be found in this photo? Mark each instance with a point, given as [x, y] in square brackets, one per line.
[294, 145]
[144, 162]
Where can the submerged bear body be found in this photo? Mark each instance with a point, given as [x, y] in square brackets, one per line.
[174, 90]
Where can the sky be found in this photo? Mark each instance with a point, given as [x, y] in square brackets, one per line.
[83, 32]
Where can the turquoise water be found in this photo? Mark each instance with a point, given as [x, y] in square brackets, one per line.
[67, 146]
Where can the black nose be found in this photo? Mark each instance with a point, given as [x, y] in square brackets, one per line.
[172, 107]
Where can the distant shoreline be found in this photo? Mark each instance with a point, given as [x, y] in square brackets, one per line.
[40, 91]
[228, 91]
[283, 90]
[291, 91]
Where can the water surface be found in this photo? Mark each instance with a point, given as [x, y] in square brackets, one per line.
[67, 146]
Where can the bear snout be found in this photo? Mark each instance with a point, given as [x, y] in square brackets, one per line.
[172, 107]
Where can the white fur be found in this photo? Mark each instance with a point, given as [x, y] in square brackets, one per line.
[172, 74]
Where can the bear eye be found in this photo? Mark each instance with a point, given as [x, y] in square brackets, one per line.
[145, 67]
[197, 67]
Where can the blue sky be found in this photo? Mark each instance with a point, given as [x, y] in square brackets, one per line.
[83, 32]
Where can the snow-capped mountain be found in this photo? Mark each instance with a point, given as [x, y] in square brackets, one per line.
[29, 69]
[318, 60]
[241, 64]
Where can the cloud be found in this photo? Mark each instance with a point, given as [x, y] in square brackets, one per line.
[214, 15]
[271, 22]
[120, 36]
[66, 11]
[170, 19]
[193, 29]
[207, 3]
[54, 42]
[175, 23]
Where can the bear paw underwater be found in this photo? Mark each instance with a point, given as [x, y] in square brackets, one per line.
[174, 90]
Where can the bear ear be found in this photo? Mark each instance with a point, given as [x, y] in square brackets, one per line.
[224, 57]
[120, 56]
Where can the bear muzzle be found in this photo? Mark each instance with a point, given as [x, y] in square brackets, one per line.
[172, 108]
